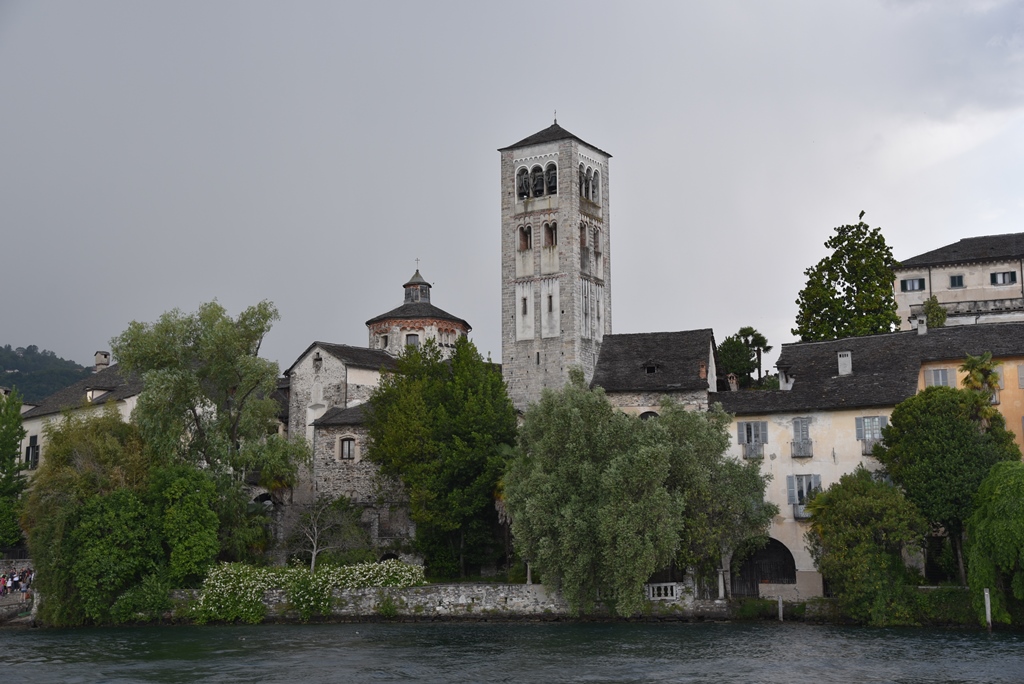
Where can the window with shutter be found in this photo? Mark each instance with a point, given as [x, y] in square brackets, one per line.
[801, 444]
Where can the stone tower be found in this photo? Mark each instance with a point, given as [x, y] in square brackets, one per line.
[415, 322]
[555, 260]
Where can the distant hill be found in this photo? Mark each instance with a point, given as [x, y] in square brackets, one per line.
[37, 374]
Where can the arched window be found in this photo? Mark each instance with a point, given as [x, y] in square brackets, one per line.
[595, 187]
[647, 415]
[412, 340]
[537, 179]
[347, 448]
[525, 238]
[583, 235]
[597, 239]
[586, 184]
[551, 173]
[550, 234]
[583, 178]
[522, 184]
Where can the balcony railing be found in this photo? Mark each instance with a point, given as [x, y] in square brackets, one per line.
[753, 451]
[800, 512]
[867, 446]
[802, 448]
[661, 592]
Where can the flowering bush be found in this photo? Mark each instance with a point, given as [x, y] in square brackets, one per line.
[234, 592]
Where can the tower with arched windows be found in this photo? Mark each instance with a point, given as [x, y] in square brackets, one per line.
[555, 260]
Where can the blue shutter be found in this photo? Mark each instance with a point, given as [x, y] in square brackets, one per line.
[791, 489]
[741, 433]
[815, 482]
[764, 432]
[860, 428]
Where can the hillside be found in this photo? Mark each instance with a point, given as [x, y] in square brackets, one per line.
[37, 374]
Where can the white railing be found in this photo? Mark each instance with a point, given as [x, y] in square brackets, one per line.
[662, 592]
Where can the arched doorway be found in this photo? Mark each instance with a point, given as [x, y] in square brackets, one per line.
[772, 564]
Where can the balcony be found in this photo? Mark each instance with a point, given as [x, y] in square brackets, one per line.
[802, 448]
[752, 451]
[800, 512]
[867, 446]
[975, 307]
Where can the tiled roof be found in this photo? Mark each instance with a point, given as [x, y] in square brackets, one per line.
[115, 386]
[360, 357]
[419, 310]
[552, 133]
[885, 368]
[974, 249]
[623, 363]
[354, 415]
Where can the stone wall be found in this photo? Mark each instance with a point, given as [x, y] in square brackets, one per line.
[635, 403]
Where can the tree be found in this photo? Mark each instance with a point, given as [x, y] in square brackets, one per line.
[757, 344]
[736, 357]
[936, 450]
[328, 525]
[12, 484]
[600, 500]
[206, 403]
[934, 313]
[995, 534]
[860, 528]
[442, 428]
[849, 293]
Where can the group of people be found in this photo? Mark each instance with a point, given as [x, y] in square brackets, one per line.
[15, 581]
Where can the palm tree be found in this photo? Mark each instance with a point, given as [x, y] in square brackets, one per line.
[983, 378]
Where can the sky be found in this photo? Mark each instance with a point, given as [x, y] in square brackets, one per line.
[159, 155]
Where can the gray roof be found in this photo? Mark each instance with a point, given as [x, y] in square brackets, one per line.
[885, 368]
[412, 310]
[974, 249]
[623, 363]
[354, 415]
[552, 133]
[360, 357]
[114, 386]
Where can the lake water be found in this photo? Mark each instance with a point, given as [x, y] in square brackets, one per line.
[490, 652]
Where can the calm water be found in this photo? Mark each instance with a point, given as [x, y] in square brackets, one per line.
[790, 654]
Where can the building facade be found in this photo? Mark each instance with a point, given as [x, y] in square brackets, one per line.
[555, 260]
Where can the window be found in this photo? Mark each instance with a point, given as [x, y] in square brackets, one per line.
[588, 179]
[651, 369]
[1004, 278]
[551, 303]
[412, 340]
[551, 174]
[799, 490]
[939, 377]
[524, 306]
[347, 448]
[595, 191]
[869, 432]
[753, 435]
[911, 284]
[32, 453]
[522, 184]
[956, 281]
[383, 341]
[802, 438]
[550, 234]
[583, 178]
[525, 238]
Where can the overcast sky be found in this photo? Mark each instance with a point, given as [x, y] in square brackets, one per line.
[156, 155]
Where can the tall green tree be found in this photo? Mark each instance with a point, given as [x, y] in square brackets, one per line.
[995, 534]
[860, 528]
[600, 500]
[934, 313]
[849, 293]
[206, 402]
[443, 429]
[757, 344]
[735, 357]
[12, 483]
[935, 449]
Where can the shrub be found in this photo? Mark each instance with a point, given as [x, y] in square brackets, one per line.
[233, 592]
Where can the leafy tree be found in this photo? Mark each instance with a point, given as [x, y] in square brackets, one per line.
[849, 293]
[934, 313]
[757, 344]
[860, 527]
[206, 403]
[995, 534]
[12, 484]
[936, 450]
[736, 357]
[600, 500]
[442, 428]
[328, 525]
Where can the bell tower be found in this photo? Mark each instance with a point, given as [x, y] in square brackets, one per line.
[555, 260]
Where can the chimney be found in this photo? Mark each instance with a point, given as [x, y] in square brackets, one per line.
[703, 370]
[922, 326]
[845, 363]
[734, 384]
[102, 361]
